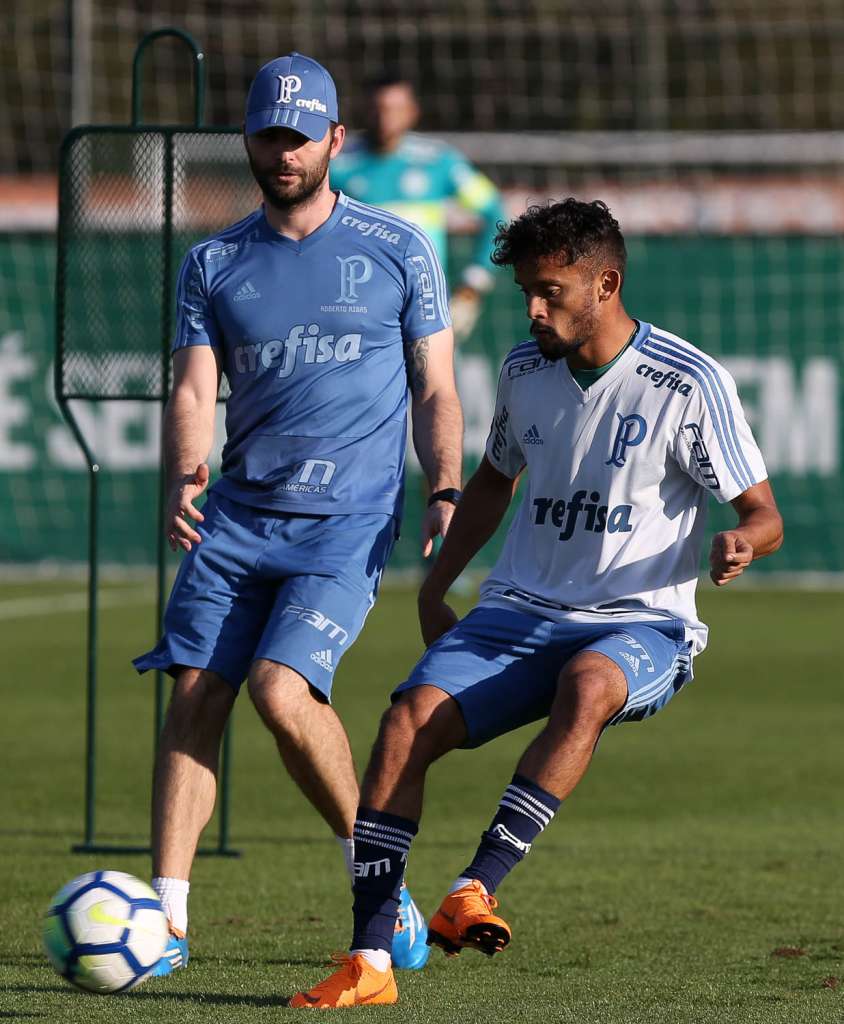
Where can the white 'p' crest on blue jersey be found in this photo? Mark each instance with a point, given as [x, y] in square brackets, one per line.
[611, 523]
[311, 335]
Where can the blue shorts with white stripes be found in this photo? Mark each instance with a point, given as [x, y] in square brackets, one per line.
[502, 666]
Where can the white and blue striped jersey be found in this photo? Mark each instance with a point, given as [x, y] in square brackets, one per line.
[612, 519]
[312, 337]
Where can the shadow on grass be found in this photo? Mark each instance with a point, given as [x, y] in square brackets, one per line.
[216, 998]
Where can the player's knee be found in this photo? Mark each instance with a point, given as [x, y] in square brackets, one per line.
[201, 703]
[591, 691]
[398, 730]
[277, 714]
[284, 700]
[417, 730]
[260, 693]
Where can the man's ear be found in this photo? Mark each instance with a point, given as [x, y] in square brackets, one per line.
[337, 141]
[610, 284]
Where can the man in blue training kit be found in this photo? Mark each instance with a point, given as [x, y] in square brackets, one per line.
[320, 311]
[588, 618]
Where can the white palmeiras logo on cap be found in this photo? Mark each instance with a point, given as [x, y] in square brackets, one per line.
[287, 85]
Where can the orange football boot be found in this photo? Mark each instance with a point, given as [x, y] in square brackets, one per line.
[464, 920]
[355, 982]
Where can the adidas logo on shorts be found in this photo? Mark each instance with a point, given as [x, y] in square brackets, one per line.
[246, 291]
[531, 436]
[632, 661]
[324, 660]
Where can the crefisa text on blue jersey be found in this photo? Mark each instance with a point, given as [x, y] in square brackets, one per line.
[376, 228]
[564, 515]
[275, 353]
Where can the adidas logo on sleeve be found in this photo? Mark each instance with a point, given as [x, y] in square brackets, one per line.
[532, 436]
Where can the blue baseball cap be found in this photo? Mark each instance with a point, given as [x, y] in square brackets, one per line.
[292, 92]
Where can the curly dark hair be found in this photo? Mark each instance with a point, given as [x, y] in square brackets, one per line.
[570, 230]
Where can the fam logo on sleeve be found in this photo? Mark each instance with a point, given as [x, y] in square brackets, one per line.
[693, 436]
[425, 277]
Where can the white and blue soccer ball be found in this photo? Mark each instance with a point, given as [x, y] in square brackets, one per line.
[105, 931]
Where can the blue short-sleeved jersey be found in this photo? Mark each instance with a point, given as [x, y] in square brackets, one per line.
[311, 335]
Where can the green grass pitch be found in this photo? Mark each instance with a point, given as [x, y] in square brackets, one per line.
[694, 877]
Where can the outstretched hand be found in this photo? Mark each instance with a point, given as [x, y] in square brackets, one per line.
[181, 508]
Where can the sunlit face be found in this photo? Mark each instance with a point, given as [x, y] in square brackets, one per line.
[288, 167]
[393, 112]
[562, 304]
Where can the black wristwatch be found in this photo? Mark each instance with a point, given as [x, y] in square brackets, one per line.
[452, 494]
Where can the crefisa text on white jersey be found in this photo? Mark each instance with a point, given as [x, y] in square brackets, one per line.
[659, 379]
[565, 515]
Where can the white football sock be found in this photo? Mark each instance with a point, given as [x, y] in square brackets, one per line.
[461, 882]
[378, 958]
[173, 893]
[348, 846]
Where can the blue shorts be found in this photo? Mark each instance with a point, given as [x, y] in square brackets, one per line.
[295, 589]
[502, 666]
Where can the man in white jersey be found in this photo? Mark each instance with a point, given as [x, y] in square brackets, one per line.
[588, 618]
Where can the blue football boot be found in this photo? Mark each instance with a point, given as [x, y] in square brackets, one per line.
[175, 956]
[410, 947]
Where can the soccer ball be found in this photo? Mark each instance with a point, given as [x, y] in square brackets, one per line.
[105, 931]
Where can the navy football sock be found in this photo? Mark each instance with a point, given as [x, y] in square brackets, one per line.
[524, 811]
[382, 842]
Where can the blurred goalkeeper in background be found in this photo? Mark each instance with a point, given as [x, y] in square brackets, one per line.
[389, 166]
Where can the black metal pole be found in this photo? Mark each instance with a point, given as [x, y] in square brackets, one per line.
[166, 328]
[225, 794]
[91, 661]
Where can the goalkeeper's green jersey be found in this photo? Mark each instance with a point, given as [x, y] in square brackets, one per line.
[417, 180]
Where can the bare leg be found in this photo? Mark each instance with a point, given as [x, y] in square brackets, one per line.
[311, 740]
[185, 783]
[420, 727]
[591, 689]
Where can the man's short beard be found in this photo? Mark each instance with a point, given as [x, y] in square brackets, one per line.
[300, 194]
[557, 348]
[554, 348]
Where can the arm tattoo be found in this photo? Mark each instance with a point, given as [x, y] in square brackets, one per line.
[416, 359]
